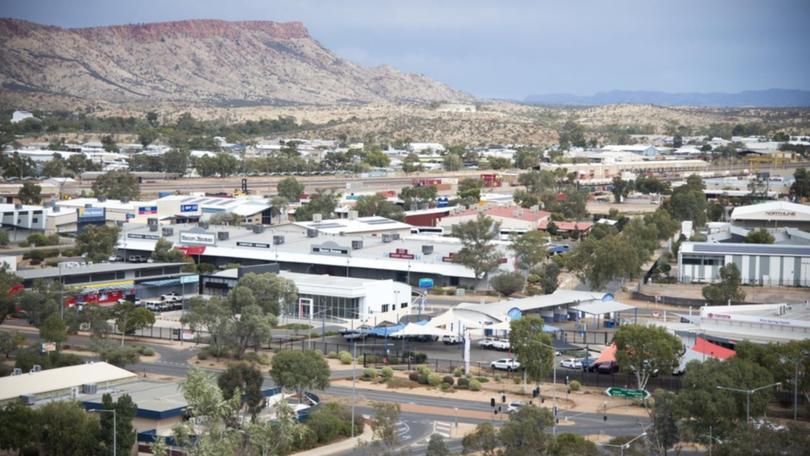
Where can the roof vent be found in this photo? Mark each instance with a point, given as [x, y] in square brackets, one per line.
[427, 249]
[17, 206]
[278, 240]
[312, 232]
[101, 199]
[153, 227]
[56, 208]
[203, 225]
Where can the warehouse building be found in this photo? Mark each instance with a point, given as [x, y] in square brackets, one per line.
[759, 264]
[61, 383]
[772, 214]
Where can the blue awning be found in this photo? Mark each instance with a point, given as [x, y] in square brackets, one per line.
[161, 283]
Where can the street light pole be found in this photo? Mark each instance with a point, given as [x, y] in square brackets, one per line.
[115, 427]
[748, 393]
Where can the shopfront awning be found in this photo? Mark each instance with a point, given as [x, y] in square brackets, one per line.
[414, 329]
[602, 307]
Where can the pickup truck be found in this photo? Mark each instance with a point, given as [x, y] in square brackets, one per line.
[506, 364]
[171, 297]
[500, 344]
[452, 340]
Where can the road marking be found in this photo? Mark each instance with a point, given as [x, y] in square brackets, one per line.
[443, 428]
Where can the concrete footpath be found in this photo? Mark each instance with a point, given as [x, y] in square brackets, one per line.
[341, 446]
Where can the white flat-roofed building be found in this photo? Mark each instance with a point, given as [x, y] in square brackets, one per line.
[310, 251]
[373, 226]
[606, 171]
[772, 214]
[759, 264]
[59, 383]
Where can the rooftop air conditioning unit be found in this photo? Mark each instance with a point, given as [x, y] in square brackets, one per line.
[17, 206]
[224, 235]
[125, 200]
[101, 199]
[153, 227]
[317, 218]
[357, 245]
[427, 249]
[36, 368]
[56, 208]
[353, 215]
[278, 240]
[312, 232]
[74, 392]
[119, 223]
[16, 371]
[89, 388]
[386, 238]
[28, 400]
[258, 229]
[168, 231]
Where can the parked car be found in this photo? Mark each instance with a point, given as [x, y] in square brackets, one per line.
[571, 363]
[587, 364]
[506, 364]
[607, 367]
[136, 259]
[486, 343]
[500, 344]
[452, 340]
[171, 297]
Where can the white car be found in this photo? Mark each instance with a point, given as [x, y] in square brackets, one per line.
[506, 364]
[452, 340]
[499, 344]
[171, 297]
[486, 343]
[571, 363]
[514, 406]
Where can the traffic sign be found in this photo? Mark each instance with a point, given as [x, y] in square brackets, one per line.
[627, 392]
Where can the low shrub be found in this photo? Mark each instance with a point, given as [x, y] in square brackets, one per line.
[424, 370]
[369, 374]
[498, 377]
[446, 387]
[416, 358]
[482, 379]
[259, 358]
[575, 385]
[463, 383]
[458, 372]
[331, 355]
[414, 376]
[434, 379]
[516, 380]
[203, 354]
[448, 379]
[387, 373]
[146, 351]
[345, 357]
[475, 385]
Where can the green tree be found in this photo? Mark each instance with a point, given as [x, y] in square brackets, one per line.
[651, 184]
[530, 249]
[378, 205]
[800, 188]
[211, 315]
[747, 440]
[40, 301]
[117, 185]
[526, 432]
[646, 350]
[53, 329]
[543, 279]
[321, 202]
[499, 162]
[16, 421]
[4, 238]
[9, 343]
[452, 162]
[247, 380]
[478, 252]
[714, 212]
[386, 415]
[30, 193]
[601, 261]
[63, 428]
[527, 158]
[573, 445]
[332, 420]
[164, 253]
[418, 197]
[484, 439]
[702, 404]
[727, 289]
[109, 143]
[147, 136]
[271, 291]
[214, 414]
[252, 329]
[176, 161]
[665, 225]
[54, 167]
[469, 191]
[620, 188]
[436, 446]
[299, 370]
[97, 242]
[280, 436]
[411, 164]
[124, 436]
[290, 189]
[664, 431]
[688, 202]
[508, 283]
[130, 318]
[760, 236]
[240, 298]
[571, 134]
[79, 163]
[531, 346]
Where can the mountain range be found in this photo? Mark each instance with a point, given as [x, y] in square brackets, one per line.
[207, 62]
[771, 98]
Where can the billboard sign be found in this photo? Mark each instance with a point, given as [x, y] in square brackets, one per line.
[189, 237]
[91, 214]
[189, 208]
[147, 210]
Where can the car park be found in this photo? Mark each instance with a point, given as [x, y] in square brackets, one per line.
[506, 364]
[571, 363]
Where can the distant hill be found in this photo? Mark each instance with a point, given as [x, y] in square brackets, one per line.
[209, 62]
[771, 98]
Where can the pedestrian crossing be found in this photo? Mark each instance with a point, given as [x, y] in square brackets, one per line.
[443, 428]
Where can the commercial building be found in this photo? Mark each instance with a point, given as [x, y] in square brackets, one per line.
[591, 173]
[772, 214]
[61, 383]
[330, 297]
[108, 282]
[512, 219]
[387, 256]
[354, 225]
[759, 264]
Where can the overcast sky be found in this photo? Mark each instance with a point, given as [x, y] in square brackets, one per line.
[511, 49]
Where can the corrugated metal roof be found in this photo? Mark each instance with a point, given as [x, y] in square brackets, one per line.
[89, 269]
[751, 249]
[60, 378]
